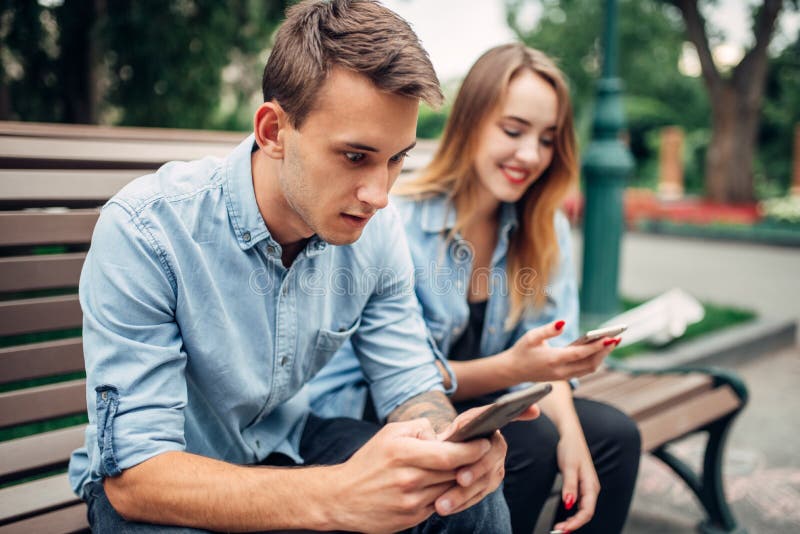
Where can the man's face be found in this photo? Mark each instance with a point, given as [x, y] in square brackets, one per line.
[339, 165]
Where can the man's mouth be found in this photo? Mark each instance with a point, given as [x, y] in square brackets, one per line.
[356, 220]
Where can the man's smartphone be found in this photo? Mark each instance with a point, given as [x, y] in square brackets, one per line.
[501, 412]
[594, 335]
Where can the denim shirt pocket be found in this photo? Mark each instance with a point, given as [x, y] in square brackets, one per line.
[327, 343]
[107, 402]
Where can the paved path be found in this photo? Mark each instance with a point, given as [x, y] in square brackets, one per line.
[759, 277]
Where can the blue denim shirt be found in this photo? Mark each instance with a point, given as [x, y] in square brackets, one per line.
[442, 274]
[198, 339]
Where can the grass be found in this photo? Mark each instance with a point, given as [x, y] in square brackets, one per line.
[716, 318]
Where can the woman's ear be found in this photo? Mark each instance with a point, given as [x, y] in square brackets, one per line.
[268, 124]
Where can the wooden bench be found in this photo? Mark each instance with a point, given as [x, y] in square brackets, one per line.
[53, 180]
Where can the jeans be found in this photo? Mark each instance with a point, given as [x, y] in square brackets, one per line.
[531, 466]
[324, 442]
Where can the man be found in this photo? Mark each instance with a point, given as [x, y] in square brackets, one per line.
[209, 299]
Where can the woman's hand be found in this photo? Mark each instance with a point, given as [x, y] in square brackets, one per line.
[533, 360]
[581, 485]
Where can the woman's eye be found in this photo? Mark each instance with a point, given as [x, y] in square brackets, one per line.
[547, 141]
[512, 132]
[354, 157]
[399, 157]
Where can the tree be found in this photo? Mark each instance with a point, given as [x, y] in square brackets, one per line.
[147, 63]
[735, 102]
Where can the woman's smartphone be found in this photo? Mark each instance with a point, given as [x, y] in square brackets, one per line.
[501, 412]
[594, 335]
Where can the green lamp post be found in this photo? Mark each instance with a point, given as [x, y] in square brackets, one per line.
[606, 165]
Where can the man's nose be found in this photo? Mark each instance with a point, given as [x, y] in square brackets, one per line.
[375, 191]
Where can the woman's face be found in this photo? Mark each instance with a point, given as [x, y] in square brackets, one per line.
[516, 143]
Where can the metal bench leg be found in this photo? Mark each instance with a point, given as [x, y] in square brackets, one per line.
[708, 486]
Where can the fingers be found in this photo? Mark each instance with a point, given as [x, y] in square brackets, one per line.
[531, 412]
[589, 490]
[483, 478]
[569, 489]
[537, 335]
[586, 359]
[439, 455]
[583, 516]
[467, 475]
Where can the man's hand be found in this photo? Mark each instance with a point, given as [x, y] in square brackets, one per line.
[533, 360]
[477, 480]
[395, 479]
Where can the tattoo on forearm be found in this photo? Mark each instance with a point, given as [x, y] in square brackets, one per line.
[433, 405]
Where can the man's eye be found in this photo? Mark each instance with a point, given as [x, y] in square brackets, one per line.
[354, 157]
[399, 157]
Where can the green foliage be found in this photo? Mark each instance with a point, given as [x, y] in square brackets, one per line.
[430, 123]
[183, 63]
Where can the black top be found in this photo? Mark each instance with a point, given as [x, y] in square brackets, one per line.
[468, 346]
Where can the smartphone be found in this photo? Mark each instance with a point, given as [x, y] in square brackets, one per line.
[501, 412]
[594, 335]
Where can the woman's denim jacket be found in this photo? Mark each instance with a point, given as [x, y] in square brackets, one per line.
[443, 269]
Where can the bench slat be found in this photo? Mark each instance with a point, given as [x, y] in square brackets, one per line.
[44, 271]
[607, 381]
[84, 131]
[40, 314]
[37, 360]
[32, 497]
[22, 185]
[687, 416]
[63, 521]
[39, 451]
[624, 389]
[48, 153]
[669, 393]
[43, 402]
[41, 228]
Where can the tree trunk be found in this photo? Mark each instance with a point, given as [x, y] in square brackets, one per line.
[731, 152]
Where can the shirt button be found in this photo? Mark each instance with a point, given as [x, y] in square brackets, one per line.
[246, 237]
[284, 361]
[271, 249]
[104, 395]
[258, 444]
[284, 290]
[491, 330]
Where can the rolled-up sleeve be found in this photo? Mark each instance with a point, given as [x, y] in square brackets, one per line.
[136, 386]
[394, 346]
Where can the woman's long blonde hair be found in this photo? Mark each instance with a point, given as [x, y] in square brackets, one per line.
[533, 249]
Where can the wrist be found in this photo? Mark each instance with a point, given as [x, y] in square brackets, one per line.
[506, 368]
[321, 501]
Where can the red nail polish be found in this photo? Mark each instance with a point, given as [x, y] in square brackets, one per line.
[560, 324]
[569, 501]
[608, 342]
[619, 340]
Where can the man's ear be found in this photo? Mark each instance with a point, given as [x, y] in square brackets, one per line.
[269, 124]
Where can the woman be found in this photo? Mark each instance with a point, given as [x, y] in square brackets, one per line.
[498, 292]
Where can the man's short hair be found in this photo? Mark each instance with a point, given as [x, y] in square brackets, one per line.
[359, 35]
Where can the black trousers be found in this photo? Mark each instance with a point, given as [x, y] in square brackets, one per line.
[531, 465]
